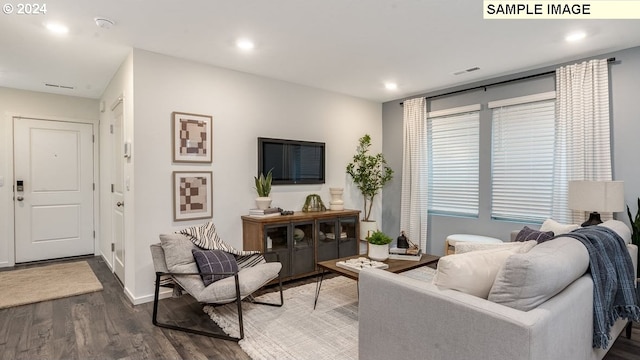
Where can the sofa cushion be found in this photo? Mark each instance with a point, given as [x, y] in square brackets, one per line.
[557, 228]
[214, 261]
[528, 233]
[472, 272]
[518, 247]
[528, 280]
[620, 228]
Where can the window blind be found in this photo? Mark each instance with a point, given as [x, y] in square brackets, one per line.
[453, 144]
[522, 161]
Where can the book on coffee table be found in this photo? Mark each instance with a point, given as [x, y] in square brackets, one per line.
[361, 263]
[405, 256]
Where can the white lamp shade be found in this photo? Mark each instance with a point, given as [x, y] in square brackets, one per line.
[598, 196]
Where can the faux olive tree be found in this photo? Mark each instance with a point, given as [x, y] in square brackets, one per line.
[370, 173]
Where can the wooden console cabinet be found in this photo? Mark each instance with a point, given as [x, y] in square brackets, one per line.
[303, 239]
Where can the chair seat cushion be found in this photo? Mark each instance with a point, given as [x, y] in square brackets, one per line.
[250, 279]
[214, 261]
[454, 238]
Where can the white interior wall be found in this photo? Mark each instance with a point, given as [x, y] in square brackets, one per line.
[14, 102]
[243, 107]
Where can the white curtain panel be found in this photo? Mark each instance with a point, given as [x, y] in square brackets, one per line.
[413, 209]
[583, 137]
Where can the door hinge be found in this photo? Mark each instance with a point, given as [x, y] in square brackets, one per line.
[113, 247]
[93, 138]
[111, 128]
[112, 187]
[94, 186]
[94, 234]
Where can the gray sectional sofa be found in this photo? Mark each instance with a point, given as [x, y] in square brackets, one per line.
[403, 318]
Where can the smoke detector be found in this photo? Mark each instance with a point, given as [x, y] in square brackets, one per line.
[104, 23]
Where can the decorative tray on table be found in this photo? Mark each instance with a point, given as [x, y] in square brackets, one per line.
[361, 263]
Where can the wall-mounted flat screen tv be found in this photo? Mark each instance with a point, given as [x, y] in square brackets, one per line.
[292, 161]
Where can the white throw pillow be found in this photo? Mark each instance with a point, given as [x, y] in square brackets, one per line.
[518, 247]
[557, 228]
[472, 272]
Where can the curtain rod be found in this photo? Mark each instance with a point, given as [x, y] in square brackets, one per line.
[497, 83]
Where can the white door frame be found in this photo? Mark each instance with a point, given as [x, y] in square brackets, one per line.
[11, 248]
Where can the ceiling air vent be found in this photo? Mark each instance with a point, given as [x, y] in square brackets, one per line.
[60, 86]
[475, 68]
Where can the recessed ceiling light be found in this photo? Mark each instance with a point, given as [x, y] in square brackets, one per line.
[391, 86]
[575, 36]
[245, 44]
[57, 28]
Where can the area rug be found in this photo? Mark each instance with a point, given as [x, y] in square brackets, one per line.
[26, 286]
[296, 331]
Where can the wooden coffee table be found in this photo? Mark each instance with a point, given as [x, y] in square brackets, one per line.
[395, 266]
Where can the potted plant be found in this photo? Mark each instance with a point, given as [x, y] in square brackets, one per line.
[378, 246]
[263, 188]
[635, 227]
[370, 174]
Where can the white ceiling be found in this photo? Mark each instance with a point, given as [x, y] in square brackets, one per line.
[347, 46]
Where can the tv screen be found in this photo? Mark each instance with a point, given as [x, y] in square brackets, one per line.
[292, 161]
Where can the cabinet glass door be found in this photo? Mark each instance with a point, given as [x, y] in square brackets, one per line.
[348, 243]
[327, 240]
[302, 259]
[277, 240]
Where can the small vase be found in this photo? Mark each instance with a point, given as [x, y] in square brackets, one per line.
[378, 252]
[336, 202]
[263, 202]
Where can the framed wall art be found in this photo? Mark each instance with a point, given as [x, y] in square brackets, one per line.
[192, 195]
[192, 138]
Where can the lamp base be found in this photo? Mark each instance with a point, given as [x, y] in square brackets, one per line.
[594, 219]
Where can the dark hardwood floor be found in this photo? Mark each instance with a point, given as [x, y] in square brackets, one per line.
[104, 325]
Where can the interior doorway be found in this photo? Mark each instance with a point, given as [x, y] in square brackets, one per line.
[117, 189]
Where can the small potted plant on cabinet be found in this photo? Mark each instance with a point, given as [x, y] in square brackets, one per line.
[370, 174]
[378, 246]
[263, 188]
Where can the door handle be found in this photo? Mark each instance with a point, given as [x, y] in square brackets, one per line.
[20, 198]
[119, 204]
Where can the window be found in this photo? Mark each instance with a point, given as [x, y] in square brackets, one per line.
[453, 156]
[522, 158]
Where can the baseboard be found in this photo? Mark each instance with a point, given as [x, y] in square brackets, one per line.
[166, 293]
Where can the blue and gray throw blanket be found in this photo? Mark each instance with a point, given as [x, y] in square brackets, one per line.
[614, 293]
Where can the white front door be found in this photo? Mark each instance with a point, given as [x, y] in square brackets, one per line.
[53, 189]
[117, 191]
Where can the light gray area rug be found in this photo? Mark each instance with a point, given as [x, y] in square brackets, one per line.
[295, 331]
[26, 286]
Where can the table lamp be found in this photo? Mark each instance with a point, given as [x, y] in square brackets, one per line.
[596, 196]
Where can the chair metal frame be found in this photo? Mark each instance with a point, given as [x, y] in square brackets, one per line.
[238, 301]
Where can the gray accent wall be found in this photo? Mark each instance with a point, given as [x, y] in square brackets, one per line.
[625, 116]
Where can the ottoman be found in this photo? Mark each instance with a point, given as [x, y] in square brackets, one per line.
[450, 242]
